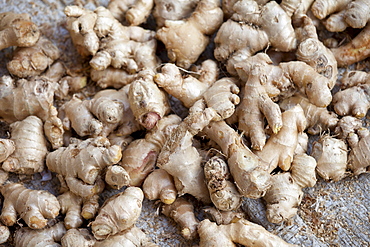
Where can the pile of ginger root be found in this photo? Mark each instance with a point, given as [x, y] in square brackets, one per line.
[216, 102]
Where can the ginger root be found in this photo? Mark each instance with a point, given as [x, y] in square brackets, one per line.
[7, 147]
[78, 238]
[33, 206]
[160, 185]
[132, 12]
[118, 213]
[358, 160]
[352, 101]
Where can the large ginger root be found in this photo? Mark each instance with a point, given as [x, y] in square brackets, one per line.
[242, 232]
[7, 147]
[80, 164]
[32, 61]
[224, 194]
[133, 12]
[238, 38]
[78, 238]
[331, 157]
[77, 208]
[33, 206]
[352, 101]
[17, 30]
[148, 103]
[50, 236]
[182, 48]
[31, 150]
[280, 147]
[285, 193]
[118, 213]
[182, 212]
[318, 119]
[248, 170]
[160, 185]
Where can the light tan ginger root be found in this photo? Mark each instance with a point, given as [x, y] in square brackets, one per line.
[32, 61]
[49, 236]
[241, 232]
[331, 157]
[80, 164]
[4, 233]
[140, 156]
[248, 170]
[285, 193]
[347, 125]
[148, 103]
[77, 208]
[131, 12]
[112, 77]
[132, 237]
[353, 78]
[118, 213]
[160, 185]
[7, 147]
[17, 30]
[78, 238]
[33, 206]
[31, 147]
[239, 38]
[358, 157]
[222, 217]
[183, 48]
[224, 194]
[318, 119]
[182, 212]
[190, 88]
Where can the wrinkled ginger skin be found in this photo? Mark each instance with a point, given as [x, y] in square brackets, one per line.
[160, 185]
[32, 61]
[7, 147]
[182, 212]
[78, 238]
[182, 48]
[241, 232]
[31, 147]
[134, 12]
[118, 213]
[33, 206]
[17, 30]
[50, 236]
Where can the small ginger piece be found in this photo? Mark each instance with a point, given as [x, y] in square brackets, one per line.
[33, 206]
[49, 236]
[182, 212]
[285, 193]
[31, 150]
[4, 233]
[352, 101]
[132, 12]
[172, 10]
[224, 194]
[160, 185]
[7, 147]
[17, 30]
[358, 160]
[182, 48]
[32, 61]
[78, 238]
[118, 213]
[242, 232]
[331, 157]
[112, 77]
[223, 217]
[80, 164]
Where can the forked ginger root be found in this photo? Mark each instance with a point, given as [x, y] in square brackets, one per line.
[33, 206]
[160, 185]
[118, 213]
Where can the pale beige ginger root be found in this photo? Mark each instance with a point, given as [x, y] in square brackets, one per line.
[4, 233]
[280, 147]
[182, 212]
[223, 217]
[132, 237]
[160, 185]
[285, 193]
[80, 24]
[187, 88]
[359, 142]
[80, 237]
[17, 30]
[112, 77]
[172, 10]
[248, 170]
[331, 157]
[132, 12]
[239, 38]
[7, 147]
[353, 78]
[318, 119]
[81, 163]
[32, 61]
[33, 206]
[182, 48]
[77, 208]
[241, 232]
[31, 147]
[347, 125]
[53, 128]
[118, 213]
[224, 194]
[49, 236]
[148, 103]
